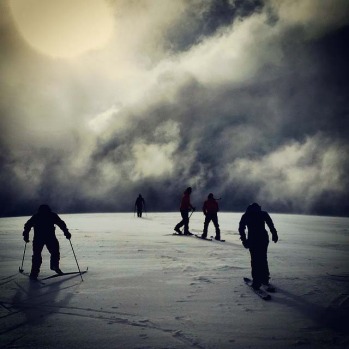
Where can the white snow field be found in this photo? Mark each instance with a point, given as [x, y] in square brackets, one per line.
[146, 288]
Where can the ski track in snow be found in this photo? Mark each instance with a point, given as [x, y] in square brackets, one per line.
[38, 303]
[110, 317]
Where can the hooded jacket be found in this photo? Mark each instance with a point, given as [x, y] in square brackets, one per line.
[44, 222]
[255, 219]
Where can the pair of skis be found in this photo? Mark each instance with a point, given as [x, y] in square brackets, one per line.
[200, 237]
[54, 275]
[212, 238]
[261, 292]
[64, 274]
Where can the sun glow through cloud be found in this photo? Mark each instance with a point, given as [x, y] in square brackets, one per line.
[64, 28]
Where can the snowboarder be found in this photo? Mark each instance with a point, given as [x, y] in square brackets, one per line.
[185, 207]
[210, 210]
[139, 205]
[257, 242]
[43, 223]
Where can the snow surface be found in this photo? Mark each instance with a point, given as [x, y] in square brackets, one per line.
[146, 288]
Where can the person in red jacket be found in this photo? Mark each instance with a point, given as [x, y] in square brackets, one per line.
[43, 223]
[185, 208]
[210, 210]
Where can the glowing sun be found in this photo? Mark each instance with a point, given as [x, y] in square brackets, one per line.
[63, 28]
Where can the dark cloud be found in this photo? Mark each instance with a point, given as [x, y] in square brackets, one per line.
[205, 18]
[251, 109]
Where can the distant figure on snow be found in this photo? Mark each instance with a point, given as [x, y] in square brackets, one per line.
[185, 207]
[257, 241]
[43, 223]
[210, 210]
[139, 205]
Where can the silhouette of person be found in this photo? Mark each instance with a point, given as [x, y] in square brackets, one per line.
[257, 241]
[139, 205]
[210, 210]
[185, 207]
[43, 223]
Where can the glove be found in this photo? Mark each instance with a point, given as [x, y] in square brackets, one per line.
[275, 237]
[245, 243]
[67, 235]
[26, 238]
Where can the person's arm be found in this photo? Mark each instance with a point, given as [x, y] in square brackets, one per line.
[62, 226]
[242, 228]
[190, 205]
[204, 208]
[27, 227]
[271, 227]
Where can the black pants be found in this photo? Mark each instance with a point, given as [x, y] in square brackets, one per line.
[259, 263]
[139, 212]
[184, 222]
[52, 246]
[208, 218]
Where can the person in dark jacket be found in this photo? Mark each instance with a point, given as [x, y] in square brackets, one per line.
[257, 241]
[140, 205]
[210, 210]
[44, 222]
[185, 208]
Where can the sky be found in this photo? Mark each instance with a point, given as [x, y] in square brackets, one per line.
[103, 100]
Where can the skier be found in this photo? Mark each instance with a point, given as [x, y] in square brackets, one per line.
[257, 242]
[139, 205]
[185, 207]
[210, 209]
[43, 223]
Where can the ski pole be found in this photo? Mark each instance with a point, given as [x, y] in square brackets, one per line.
[76, 260]
[191, 213]
[21, 268]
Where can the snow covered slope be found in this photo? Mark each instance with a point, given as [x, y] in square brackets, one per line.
[146, 288]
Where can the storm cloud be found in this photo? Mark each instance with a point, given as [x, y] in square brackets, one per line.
[245, 99]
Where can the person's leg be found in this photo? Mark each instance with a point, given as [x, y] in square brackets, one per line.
[255, 266]
[206, 223]
[38, 245]
[53, 247]
[185, 215]
[179, 225]
[265, 275]
[218, 231]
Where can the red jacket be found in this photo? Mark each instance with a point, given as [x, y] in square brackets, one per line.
[185, 202]
[210, 206]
